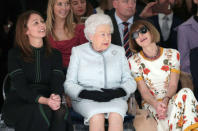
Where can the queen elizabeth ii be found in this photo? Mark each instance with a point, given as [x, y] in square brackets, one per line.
[98, 78]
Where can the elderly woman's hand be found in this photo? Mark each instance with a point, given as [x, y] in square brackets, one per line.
[102, 96]
[95, 95]
[114, 93]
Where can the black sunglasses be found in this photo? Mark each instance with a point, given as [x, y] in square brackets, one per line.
[142, 30]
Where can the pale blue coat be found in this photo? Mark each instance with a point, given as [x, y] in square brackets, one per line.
[92, 70]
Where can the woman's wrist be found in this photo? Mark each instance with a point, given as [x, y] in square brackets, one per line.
[166, 99]
[43, 100]
[155, 104]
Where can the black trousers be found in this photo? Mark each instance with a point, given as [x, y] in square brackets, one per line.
[39, 117]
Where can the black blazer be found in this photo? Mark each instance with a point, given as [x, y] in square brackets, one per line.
[171, 42]
[115, 39]
[194, 69]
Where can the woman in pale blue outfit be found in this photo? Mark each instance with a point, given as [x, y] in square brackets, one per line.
[98, 78]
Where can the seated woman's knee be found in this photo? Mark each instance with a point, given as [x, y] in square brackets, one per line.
[115, 117]
[186, 90]
[60, 113]
[97, 117]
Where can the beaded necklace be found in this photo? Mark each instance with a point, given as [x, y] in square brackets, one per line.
[153, 57]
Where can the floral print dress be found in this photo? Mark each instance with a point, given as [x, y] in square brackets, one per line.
[182, 112]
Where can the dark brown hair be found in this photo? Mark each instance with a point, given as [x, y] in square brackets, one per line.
[104, 5]
[21, 39]
[137, 25]
[89, 11]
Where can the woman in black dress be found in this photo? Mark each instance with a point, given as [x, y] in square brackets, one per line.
[35, 70]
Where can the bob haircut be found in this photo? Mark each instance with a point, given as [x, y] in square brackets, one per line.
[94, 21]
[22, 40]
[155, 36]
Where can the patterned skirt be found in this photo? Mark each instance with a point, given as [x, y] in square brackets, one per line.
[182, 114]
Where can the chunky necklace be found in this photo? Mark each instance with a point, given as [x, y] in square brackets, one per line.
[153, 57]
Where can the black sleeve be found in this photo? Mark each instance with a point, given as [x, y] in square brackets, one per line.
[18, 78]
[114, 93]
[57, 78]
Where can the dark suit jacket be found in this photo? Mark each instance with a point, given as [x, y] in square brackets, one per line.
[115, 39]
[171, 42]
[194, 69]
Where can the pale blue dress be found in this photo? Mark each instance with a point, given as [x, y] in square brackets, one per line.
[92, 70]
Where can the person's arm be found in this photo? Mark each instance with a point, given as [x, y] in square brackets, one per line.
[43, 100]
[57, 77]
[71, 86]
[172, 87]
[128, 83]
[148, 11]
[19, 79]
[145, 93]
[160, 107]
[56, 82]
[184, 49]
[174, 77]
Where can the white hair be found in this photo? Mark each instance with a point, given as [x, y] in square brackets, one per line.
[94, 21]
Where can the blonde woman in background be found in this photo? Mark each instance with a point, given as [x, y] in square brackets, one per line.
[62, 32]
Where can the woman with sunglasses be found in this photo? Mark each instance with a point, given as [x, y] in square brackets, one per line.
[156, 71]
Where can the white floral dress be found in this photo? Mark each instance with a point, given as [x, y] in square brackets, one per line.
[183, 107]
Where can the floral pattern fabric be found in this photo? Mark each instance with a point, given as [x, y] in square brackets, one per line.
[182, 112]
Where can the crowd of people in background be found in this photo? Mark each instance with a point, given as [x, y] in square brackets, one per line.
[169, 27]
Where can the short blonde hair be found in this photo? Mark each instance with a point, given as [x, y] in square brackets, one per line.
[134, 47]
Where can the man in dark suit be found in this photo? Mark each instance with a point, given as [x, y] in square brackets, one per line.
[168, 38]
[171, 41]
[124, 11]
